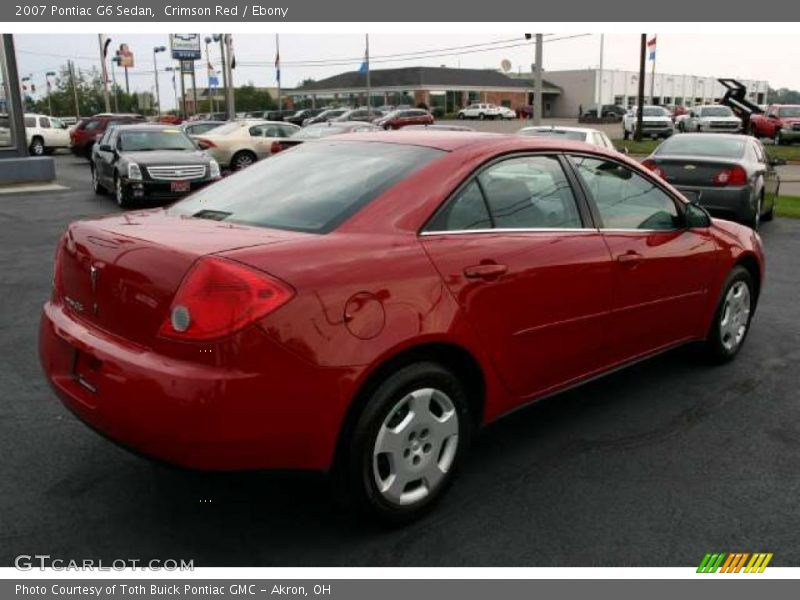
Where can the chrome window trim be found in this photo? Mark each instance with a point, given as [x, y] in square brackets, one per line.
[512, 230]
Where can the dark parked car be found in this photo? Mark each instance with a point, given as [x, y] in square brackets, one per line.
[139, 162]
[610, 111]
[728, 174]
[322, 130]
[402, 118]
[360, 114]
[90, 129]
[191, 128]
[301, 115]
[361, 304]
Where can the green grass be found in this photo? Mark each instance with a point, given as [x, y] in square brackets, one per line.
[645, 147]
[788, 206]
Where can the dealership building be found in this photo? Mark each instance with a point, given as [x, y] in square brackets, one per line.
[439, 88]
[580, 88]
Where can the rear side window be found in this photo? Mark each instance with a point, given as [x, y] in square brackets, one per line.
[527, 192]
[30, 122]
[346, 177]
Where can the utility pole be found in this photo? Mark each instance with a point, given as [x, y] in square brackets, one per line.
[47, 77]
[600, 81]
[219, 37]
[114, 86]
[156, 50]
[366, 57]
[538, 89]
[278, 68]
[231, 99]
[71, 66]
[640, 102]
[209, 72]
[102, 44]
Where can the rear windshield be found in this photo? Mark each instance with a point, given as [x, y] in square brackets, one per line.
[345, 176]
[702, 145]
[556, 133]
[654, 111]
[789, 111]
[716, 111]
[313, 132]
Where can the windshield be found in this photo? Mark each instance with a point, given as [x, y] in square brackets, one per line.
[702, 145]
[164, 139]
[561, 134]
[654, 111]
[716, 111]
[346, 176]
[789, 111]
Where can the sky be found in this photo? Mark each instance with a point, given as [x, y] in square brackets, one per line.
[771, 57]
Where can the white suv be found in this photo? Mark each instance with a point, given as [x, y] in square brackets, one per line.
[45, 134]
[656, 122]
[480, 111]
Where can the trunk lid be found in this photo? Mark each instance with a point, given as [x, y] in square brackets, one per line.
[120, 273]
[692, 171]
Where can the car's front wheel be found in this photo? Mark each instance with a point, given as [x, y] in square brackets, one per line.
[407, 443]
[96, 185]
[121, 195]
[242, 160]
[732, 318]
[37, 146]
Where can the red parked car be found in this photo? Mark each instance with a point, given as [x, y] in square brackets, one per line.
[90, 129]
[398, 119]
[365, 317]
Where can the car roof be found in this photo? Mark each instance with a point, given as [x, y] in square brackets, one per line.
[146, 127]
[451, 141]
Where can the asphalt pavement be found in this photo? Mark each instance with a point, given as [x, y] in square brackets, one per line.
[652, 466]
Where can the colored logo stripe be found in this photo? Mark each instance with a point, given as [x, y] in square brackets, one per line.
[734, 562]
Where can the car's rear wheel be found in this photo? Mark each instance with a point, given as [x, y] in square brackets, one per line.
[242, 160]
[461, 116]
[755, 221]
[481, 116]
[406, 444]
[778, 139]
[732, 318]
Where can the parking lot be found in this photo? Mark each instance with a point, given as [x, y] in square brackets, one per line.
[652, 466]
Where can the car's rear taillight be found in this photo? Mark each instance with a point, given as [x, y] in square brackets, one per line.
[218, 297]
[275, 147]
[652, 166]
[733, 176]
[205, 144]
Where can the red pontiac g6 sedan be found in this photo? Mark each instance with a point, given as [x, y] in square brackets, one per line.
[365, 315]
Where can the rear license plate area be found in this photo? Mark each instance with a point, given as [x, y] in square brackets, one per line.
[179, 186]
[86, 370]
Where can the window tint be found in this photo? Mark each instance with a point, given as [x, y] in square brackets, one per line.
[624, 199]
[467, 210]
[44, 122]
[30, 121]
[346, 177]
[529, 192]
[257, 131]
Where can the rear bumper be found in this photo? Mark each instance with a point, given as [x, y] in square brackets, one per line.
[286, 414]
[736, 203]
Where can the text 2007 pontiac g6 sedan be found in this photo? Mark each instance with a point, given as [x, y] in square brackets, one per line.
[366, 317]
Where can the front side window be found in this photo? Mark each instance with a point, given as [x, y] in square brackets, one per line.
[625, 199]
[30, 122]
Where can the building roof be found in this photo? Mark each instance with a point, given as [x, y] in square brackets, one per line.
[418, 78]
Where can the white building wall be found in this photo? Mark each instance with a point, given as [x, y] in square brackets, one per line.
[621, 87]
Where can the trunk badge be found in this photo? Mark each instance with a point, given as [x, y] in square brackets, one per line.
[690, 167]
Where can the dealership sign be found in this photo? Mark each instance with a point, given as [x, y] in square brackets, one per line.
[185, 46]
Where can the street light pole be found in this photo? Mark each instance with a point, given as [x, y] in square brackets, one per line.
[156, 50]
[538, 88]
[640, 101]
[600, 81]
[47, 77]
[101, 41]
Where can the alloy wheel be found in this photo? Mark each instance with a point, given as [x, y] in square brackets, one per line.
[243, 161]
[415, 446]
[37, 148]
[119, 192]
[735, 317]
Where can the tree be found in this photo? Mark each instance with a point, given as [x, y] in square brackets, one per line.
[783, 96]
[250, 98]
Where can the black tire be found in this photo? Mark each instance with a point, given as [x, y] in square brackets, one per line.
[37, 146]
[481, 116]
[242, 160]
[97, 187]
[778, 139]
[358, 469]
[714, 349]
[755, 220]
[121, 195]
[461, 116]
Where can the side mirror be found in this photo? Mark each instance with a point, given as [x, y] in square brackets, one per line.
[776, 162]
[105, 148]
[696, 216]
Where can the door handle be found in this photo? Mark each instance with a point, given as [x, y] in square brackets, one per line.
[490, 271]
[630, 259]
